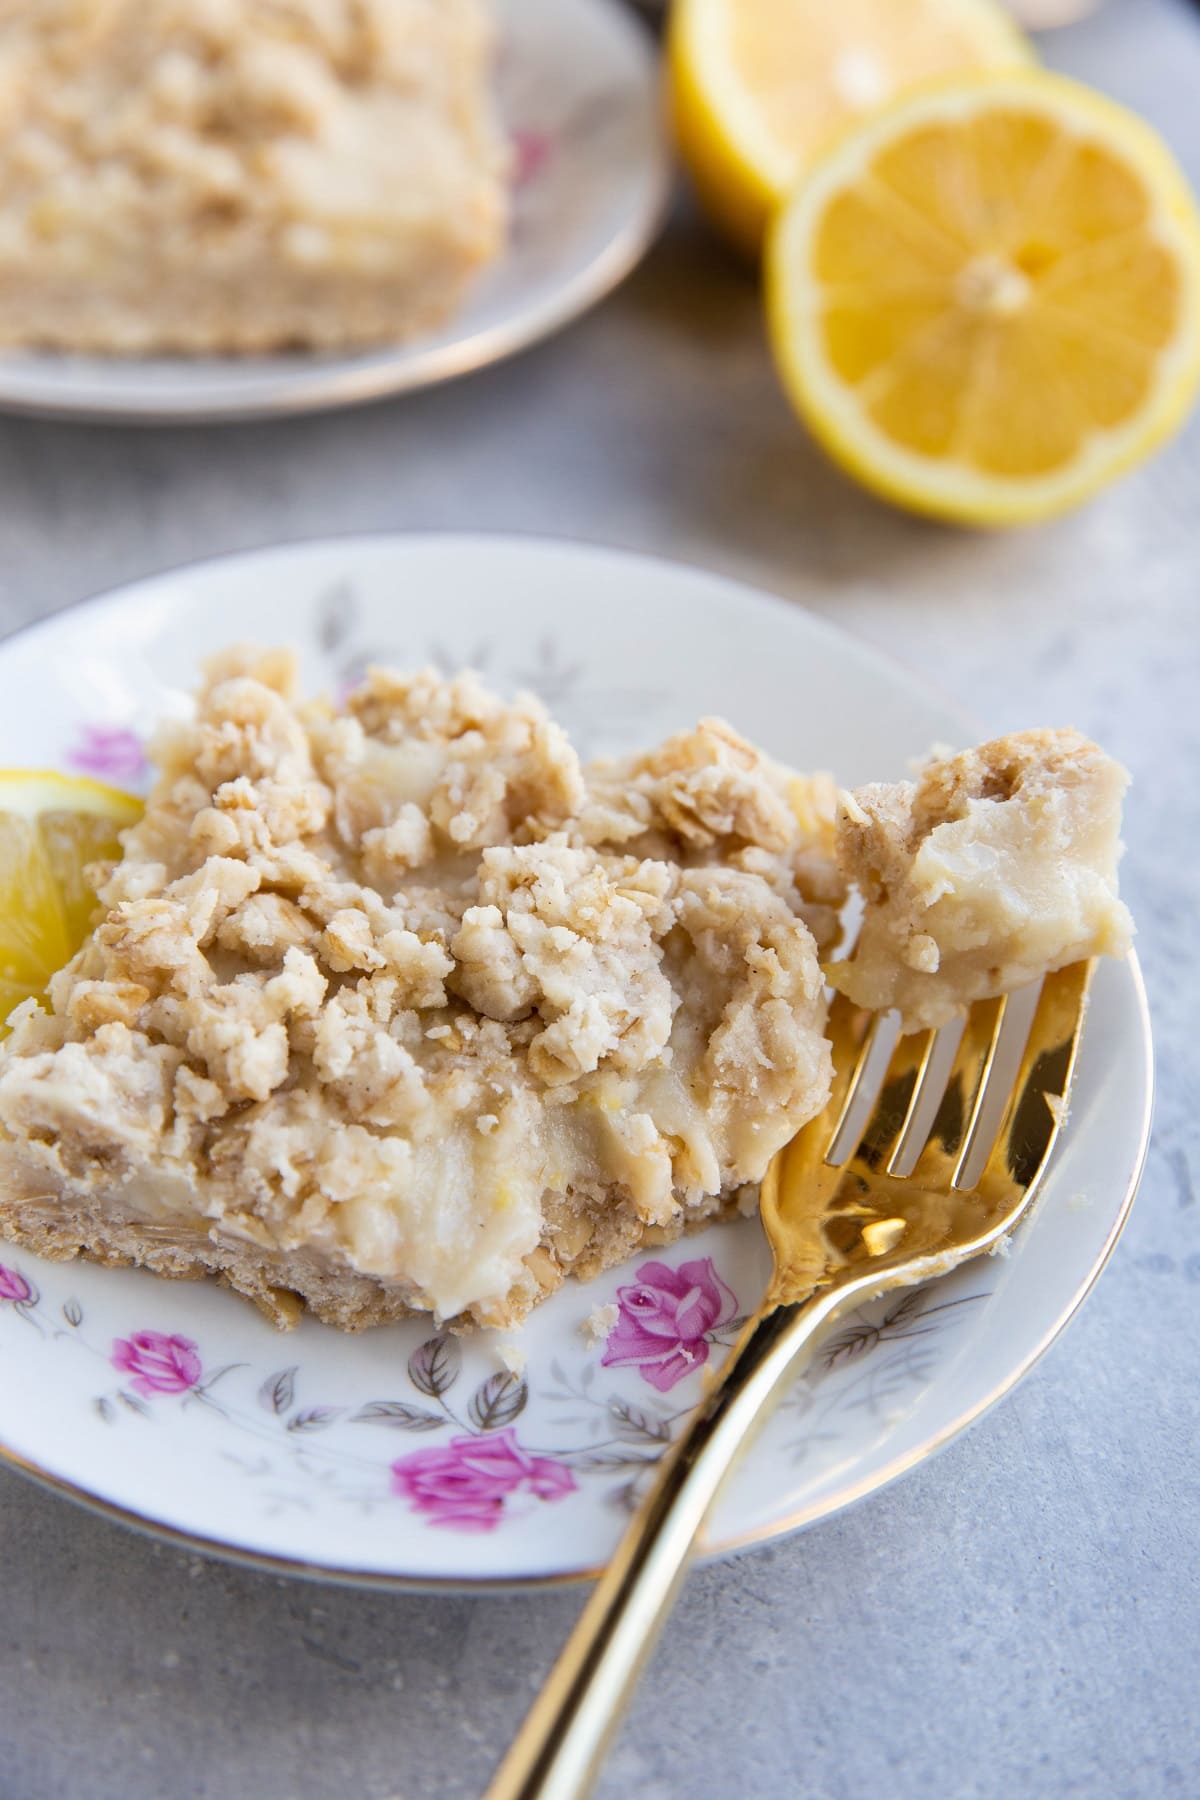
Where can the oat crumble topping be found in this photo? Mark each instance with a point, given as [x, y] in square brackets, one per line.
[402, 1007]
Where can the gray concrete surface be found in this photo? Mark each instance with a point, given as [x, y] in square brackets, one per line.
[1019, 1617]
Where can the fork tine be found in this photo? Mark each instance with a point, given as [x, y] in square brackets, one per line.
[852, 1036]
[800, 1180]
[899, 1097]
[1034, 1114]
[824, 1221]
[956, 1122]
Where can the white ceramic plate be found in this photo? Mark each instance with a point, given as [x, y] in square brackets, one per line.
[389, 1457]
[579, 93]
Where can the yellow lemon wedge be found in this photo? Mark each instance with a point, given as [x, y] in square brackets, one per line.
[52, 829]
[760, 87]
[985, 302]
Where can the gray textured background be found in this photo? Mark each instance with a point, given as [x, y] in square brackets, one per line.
[1018, 1617]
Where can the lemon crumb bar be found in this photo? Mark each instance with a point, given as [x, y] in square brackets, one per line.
[243, 175]
[400, 1008]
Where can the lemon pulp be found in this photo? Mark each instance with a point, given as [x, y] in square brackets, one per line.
[985, 301]
[53, 828]
[760, 87]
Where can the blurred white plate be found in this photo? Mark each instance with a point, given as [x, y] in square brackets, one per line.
[379, 1458]
[579, 93]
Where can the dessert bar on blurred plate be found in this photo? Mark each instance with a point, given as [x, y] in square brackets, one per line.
[243, 175]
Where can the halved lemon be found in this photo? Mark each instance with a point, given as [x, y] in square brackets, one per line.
[985, 302]
[759, 87]
[52, 829]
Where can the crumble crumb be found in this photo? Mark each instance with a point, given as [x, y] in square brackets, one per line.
[512, 1354]
[600, 1322]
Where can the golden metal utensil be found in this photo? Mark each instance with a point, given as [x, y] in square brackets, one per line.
[841, 1234]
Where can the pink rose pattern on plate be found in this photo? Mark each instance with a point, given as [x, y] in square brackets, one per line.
[466, 1485]
[668, 1320]
[158, 1364]
[109, 752]
[531, 151]
[483, 1477]
[14, 1287]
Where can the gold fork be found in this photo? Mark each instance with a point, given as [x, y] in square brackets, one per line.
[840, 1235]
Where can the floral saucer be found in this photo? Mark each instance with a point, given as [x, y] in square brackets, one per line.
[407, 1457]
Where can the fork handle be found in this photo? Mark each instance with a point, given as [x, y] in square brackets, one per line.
[558, 1750]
